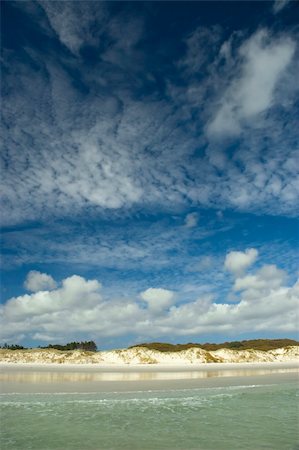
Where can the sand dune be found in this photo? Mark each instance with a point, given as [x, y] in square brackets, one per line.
[141, 355]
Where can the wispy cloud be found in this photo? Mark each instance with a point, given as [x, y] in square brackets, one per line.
[80, 139]
[279, 5]
[191, 220]
[145, 245]
[263, 60]
[75, 24]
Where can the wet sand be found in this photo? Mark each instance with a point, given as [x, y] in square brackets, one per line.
[55, 378]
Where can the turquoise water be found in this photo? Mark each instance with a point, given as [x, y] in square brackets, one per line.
[248, 417]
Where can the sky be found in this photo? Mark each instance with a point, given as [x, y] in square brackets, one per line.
[149, 171]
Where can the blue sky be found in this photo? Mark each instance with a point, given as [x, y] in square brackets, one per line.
[149, 171]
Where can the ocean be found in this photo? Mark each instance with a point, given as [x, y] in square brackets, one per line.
[249, 417]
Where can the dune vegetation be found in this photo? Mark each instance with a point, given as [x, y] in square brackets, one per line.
[255, 344]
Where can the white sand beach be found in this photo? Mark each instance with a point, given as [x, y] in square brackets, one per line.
[97, 378]
[44, 370]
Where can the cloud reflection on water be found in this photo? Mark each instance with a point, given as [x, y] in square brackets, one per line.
[78, 377]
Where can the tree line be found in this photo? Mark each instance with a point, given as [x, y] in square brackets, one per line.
[83, 345]
[12, 347]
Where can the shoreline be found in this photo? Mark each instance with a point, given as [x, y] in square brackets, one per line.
[57, 378]
[109, 387]
[159, 367]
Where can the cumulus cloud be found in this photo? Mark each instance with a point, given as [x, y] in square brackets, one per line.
[237, 262]
[76, 307]
[158, 299]
[76, 292]
[37, 281]
[264, 60]
[191, 220]
[267, 279]
[264, 303]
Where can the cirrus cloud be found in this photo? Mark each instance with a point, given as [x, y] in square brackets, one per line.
[264, 60]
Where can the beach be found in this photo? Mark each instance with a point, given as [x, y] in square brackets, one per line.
[25, 377]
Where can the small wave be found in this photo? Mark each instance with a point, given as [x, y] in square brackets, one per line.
[142, 391]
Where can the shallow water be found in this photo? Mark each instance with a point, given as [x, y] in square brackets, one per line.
[250, 417]
[62, 376]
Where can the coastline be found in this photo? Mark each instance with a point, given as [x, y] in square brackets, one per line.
[56, 378]
[192, 356]
[159, 367]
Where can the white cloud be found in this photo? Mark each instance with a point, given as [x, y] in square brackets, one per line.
[102, 150]
[191, 220]
[273, 309]
[199, 46]
[72, 22]
[37, 281]
[278, 5]
[77, 307]
[267, 279]
[237, 262]
[76, 292]
[264, 303]
[203, 264]
[158, 299]
[47, 337]
[264, 61]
